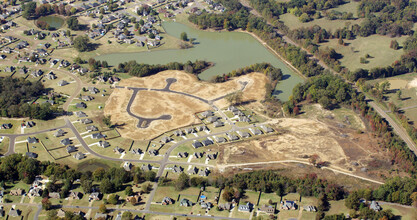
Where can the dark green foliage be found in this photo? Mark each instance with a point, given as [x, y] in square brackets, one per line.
[73, 24]
[82, 43]
[182, 182]
[142, 70]
[16, 95]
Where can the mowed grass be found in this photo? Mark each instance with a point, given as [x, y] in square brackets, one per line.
[4, 145]
[293, 22]
[405, 213]
[352, 7]
[377, 46]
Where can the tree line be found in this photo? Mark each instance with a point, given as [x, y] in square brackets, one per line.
[141, 69]
[16, 95]
[32, 11]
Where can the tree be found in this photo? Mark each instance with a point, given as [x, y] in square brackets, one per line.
[106, 186]
[384, 86]
[107, 121]
[352, 201]
[29, 9]
[102, 208]
[150, 175]
[113, 199]
[73, 24]
[325, 102]
[128, 191]
[82, 43]
[133, 201]
[234, 98]
[313, 159]
[184, 36]
[182, 182]
[399, 93]
[46, 204]
[127, 215]
[394, 45]
[146, 188]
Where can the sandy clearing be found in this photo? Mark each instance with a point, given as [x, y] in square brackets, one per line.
[152, 104]
[398, 83]
[412, 83]
[300, 137]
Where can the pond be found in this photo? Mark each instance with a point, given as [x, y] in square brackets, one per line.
[228, 51]
[54, 22]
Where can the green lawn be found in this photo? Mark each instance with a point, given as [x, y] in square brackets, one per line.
[4, 145]
[376, 46]
[352, 7]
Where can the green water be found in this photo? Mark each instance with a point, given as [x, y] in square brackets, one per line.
[228, 50]
[54, 22]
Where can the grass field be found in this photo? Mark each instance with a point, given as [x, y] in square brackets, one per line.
[293, 22]
[352, 7]
[376, 46]
[4, 145]
[409, 93]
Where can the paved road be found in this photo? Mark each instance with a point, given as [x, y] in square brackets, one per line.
[397, 128]
[38, 211]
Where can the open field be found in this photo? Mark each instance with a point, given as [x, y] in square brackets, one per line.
[407, 83]
[293, 22]
[4, 145]
[376, 46]
[351, 7]
[152, 104]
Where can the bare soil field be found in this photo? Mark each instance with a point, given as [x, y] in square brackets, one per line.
[152, 104]
[300, 138]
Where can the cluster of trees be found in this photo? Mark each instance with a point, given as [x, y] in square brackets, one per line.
[82, 43]
[32, 11]
[17, 167]
[73, 24]
[142, 70]
[270, 71]
[15, 93]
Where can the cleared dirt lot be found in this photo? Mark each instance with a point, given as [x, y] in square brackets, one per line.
[152, 104]
[300, 138]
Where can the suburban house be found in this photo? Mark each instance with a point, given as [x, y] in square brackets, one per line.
[146, 167]
[137, 151]
[66, 141]
[166, 139]
[86, 98]
[153, 152]
[54, 195]
[268, 209]
[63, 83]
[52, 76]
[32, 140]
[75, 195]
[28, 124]
[212, 156]
[193, 171]
[177, 169]
[167, 201]
[207, 142]
[101, 216]
[190, 130]
[206, 205]
[91, 128]
[98, 136]
[309, 208]
[207, 114]
[35, 192]
[59, 133]
[245, 207]
[86, 121]
[95, 196]
[267, 129]
[81, 105]
[71, 148]
[118, 150]
[31, 155]
[14, 212]
[93, 90]
[103, 144]
[288, 205]
[198, 155]
[81, 114]
[218, 124]
[127, 166]
[204, 172]
[61, 213]
[243, 134]
[182, 154]
[255, 131]
[197, 144]
[212, 119]
[186, 203]
[226, 206]
[6, 126]
[375, 206]
[79, 156]
[178, 133]
[16, 192]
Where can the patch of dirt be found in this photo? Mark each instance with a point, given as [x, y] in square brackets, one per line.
[152, 104]
[300, 138]
[412, 84]
[398, 83]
